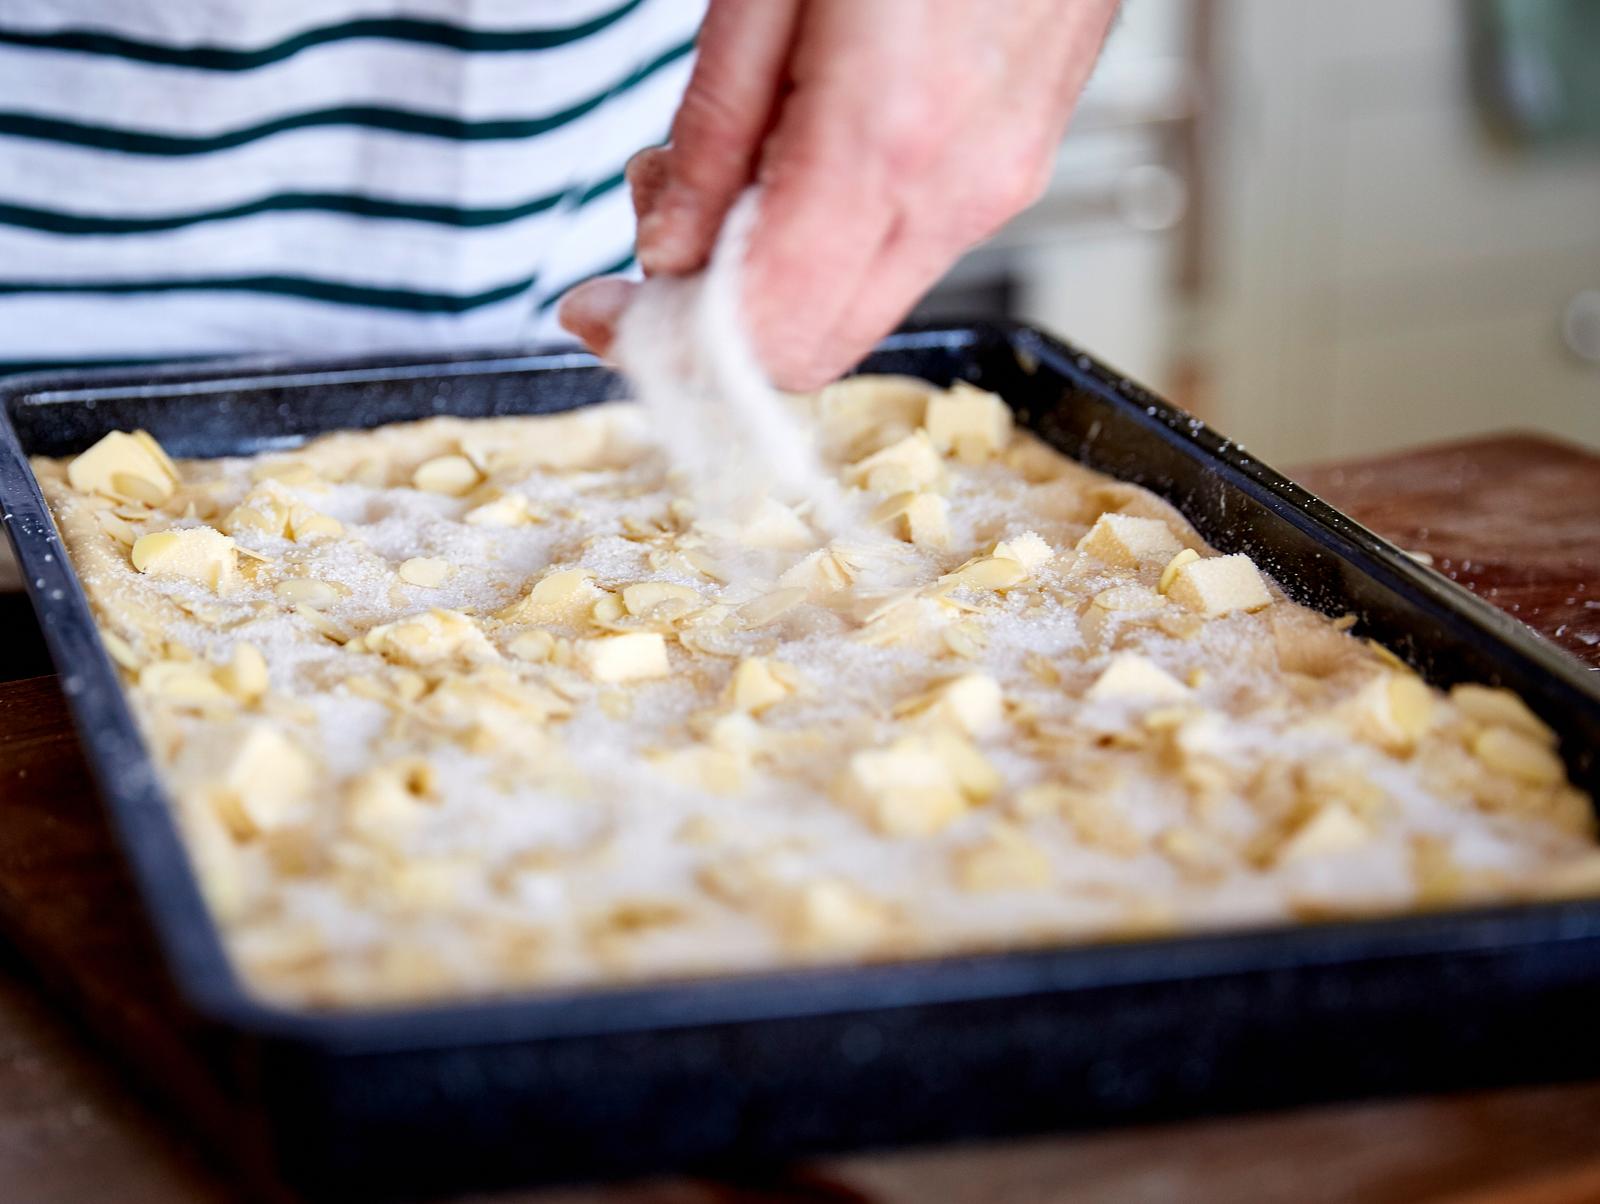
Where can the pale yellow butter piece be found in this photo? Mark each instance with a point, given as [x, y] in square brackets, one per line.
[257, 777]
[451, 475]
[832, 916]
[1393, 710]
[903, 790]
[560, 596]
[159, 454]
[1131, 676]
[633, 656]
[245, 675]
[124, 467]
[966, 420]
[1170, 573]
[1008, 859]
[774, 525]
[200, 554]
[1332, 829]
[919, 518]
[1520, 756]
[759, 683]
[1219, 585]
[919, 784]
[427, 572]
[927, 521]
[971, 701]
[909, 465]
[1127, 540]
[1028, 549]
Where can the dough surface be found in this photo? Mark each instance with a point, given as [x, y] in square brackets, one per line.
[452, 708]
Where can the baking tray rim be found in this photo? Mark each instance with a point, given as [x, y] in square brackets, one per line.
[197, 961]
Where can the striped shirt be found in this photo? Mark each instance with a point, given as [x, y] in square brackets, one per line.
[199, 177]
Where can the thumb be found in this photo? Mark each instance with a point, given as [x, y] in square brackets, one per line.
[717, 133]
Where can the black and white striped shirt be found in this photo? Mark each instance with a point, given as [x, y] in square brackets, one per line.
[198, 177]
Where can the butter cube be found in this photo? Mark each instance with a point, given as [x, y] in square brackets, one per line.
[1392, 710]
[927, 521]
[633, 656]
[774, 525]
[1124, 539]
[200, 554]
[1333, 829]
[966, 420]
[1219, 585]
[1131, 676]
[125, 467]
[258, 777]
[833, 916]
[1027, 549]
[1007, 860]
[909, 465]
[245, 675]
[921, 518]
[972, 702]
[1170, 573]
[562, 596]
[757, 684]
[906, 789]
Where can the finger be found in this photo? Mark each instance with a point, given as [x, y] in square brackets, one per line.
[910, 263]
[827, 209]
[732, 94]
[646, 174]
[589, 311]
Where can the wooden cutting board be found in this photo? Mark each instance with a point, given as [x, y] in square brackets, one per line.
[1514, 518]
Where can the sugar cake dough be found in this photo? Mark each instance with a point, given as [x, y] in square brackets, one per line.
[458, 707]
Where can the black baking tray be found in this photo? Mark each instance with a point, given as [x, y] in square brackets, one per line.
[747, 1069]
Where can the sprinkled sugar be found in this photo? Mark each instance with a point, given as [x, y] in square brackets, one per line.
[900, 741]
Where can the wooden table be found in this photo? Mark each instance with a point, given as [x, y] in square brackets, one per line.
[1515, 518]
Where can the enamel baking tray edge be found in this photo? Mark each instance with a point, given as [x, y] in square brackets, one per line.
[748, 1069]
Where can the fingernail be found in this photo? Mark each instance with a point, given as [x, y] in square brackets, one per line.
[646, 174]
[663, 237]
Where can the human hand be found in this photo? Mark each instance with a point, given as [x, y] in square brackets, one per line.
[889, 136]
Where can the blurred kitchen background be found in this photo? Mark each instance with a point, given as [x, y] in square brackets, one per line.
[1329, 228]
